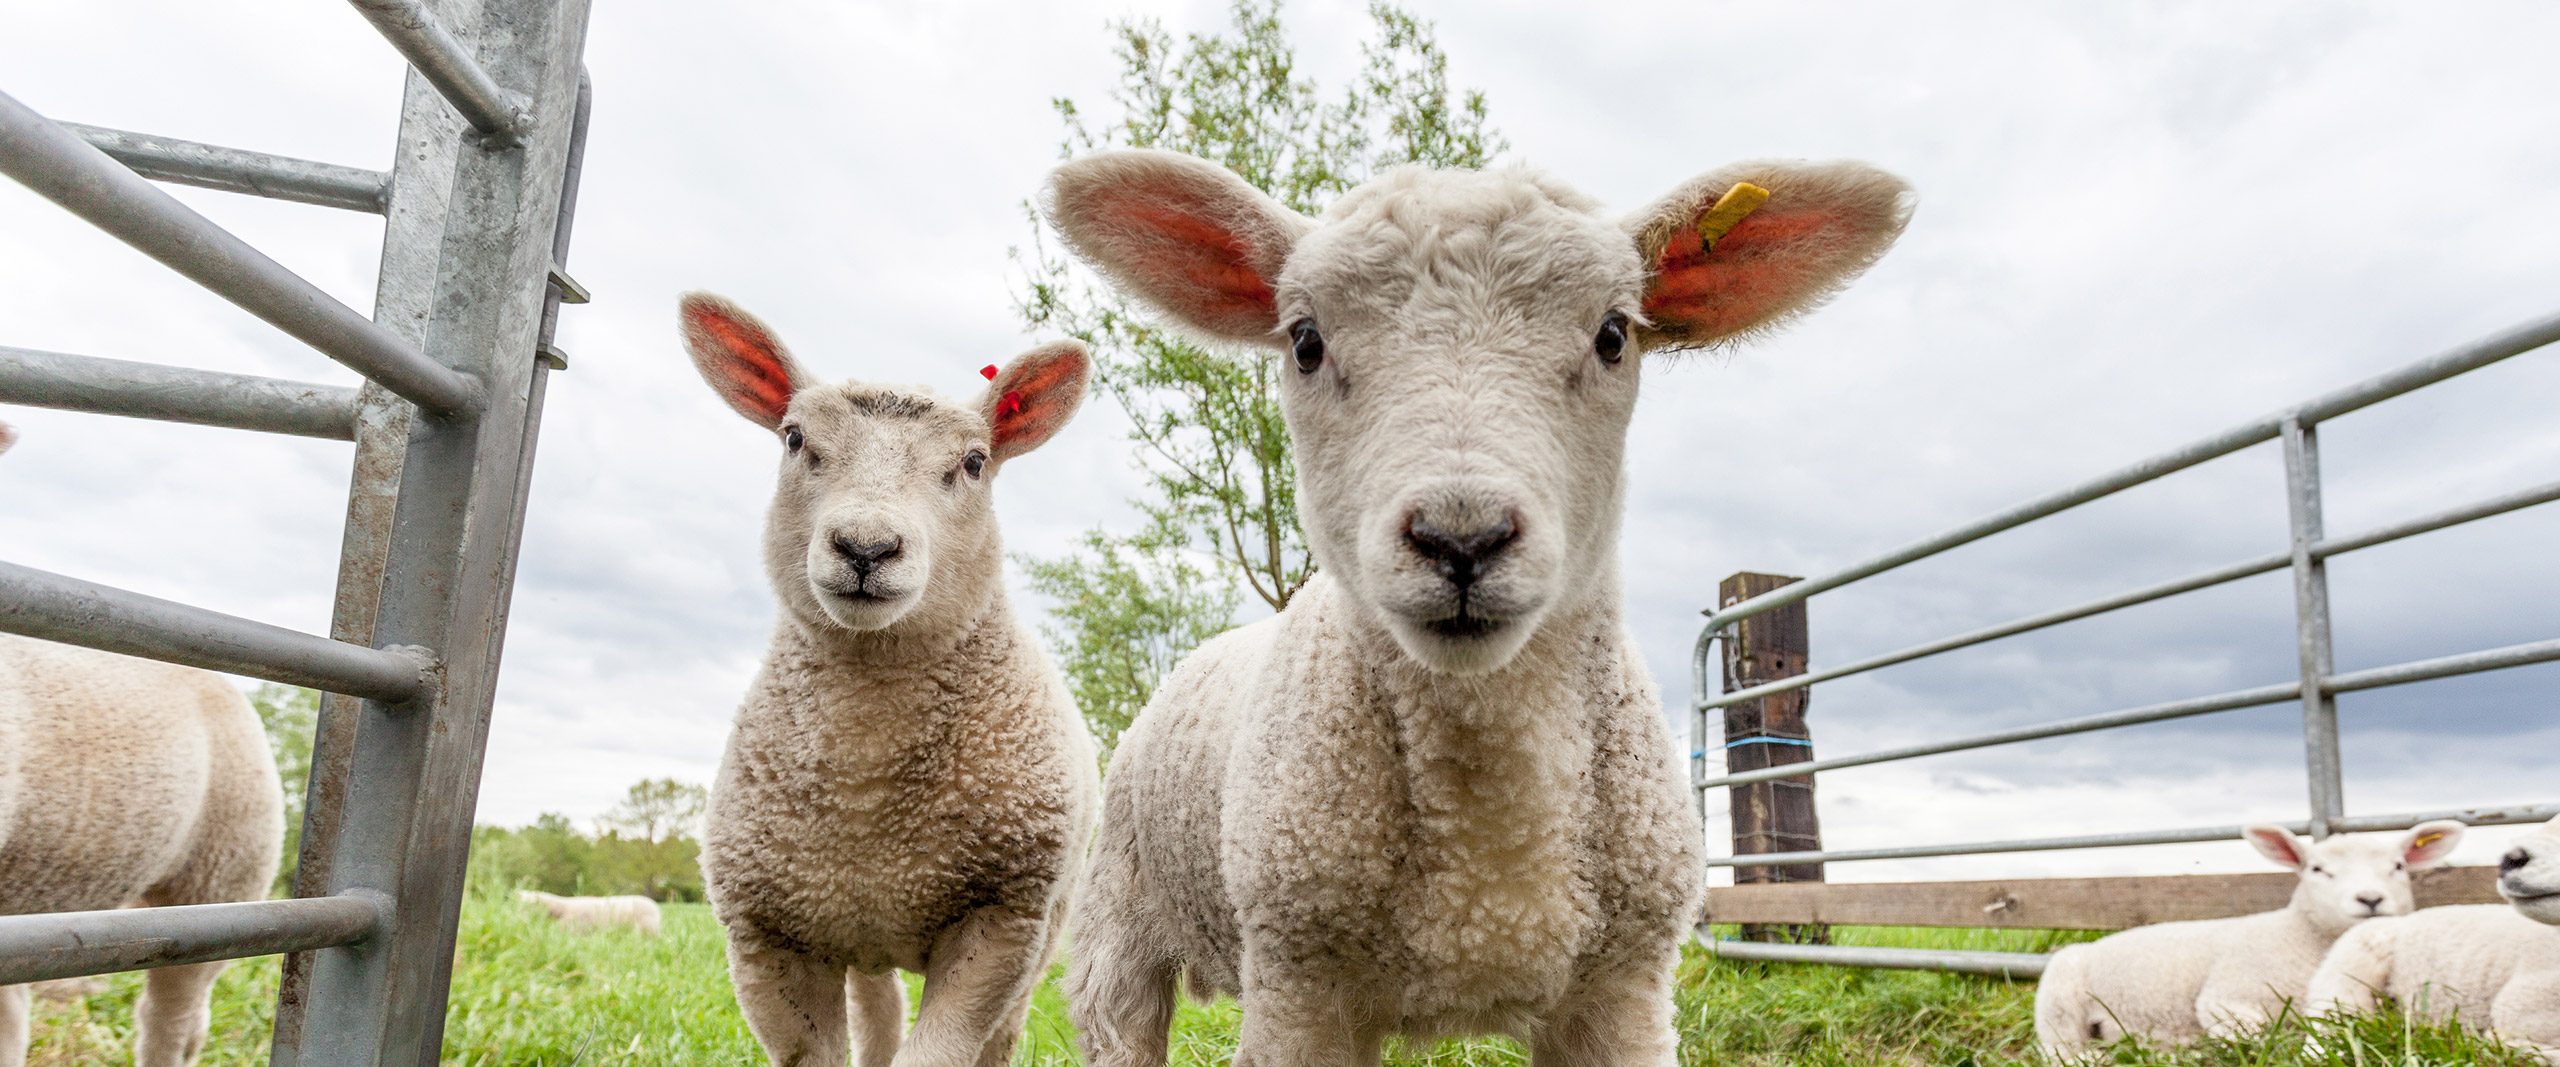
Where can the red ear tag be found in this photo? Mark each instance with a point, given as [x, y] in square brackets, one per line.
[988, 372]
[1010, 405]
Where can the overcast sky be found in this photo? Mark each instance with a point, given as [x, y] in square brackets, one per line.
[2139, 224]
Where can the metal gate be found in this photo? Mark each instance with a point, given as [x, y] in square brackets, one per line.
[477, 208]
[2315, 689]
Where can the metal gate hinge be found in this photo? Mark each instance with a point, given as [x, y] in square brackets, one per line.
[570, 291]
[550, 355]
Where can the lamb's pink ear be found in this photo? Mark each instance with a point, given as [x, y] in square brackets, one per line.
[2429, 843]
[1822, 225]
[1033, 396]
[2277, 844]
[740, 357]
[1181, 233]
[7, 437]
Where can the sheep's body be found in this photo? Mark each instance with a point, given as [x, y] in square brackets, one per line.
[2480, 964]
[865, 809]
[2491, 966]
[2172, 983]
[1459, 855]
[126, 781]
[908, 785]
[2176, 982]
[596, 913]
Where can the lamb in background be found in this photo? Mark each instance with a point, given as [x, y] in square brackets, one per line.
[2175, 982]
[596, 913]
[2492, 966]
[1436, 794]
[908, 784]
[128, 781]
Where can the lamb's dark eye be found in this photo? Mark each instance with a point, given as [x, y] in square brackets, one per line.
[791, 439]
[1611, 342]
[1306, 345]
[975, 463]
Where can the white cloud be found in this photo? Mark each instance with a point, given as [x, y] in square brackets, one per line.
[2138, 226]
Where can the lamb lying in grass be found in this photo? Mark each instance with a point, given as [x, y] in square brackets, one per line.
[2175, 982]
[909, 785]
[127, 781]
[1435, 795]
[2492, 966]
[596, 913]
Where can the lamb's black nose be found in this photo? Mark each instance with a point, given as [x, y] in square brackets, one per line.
[2513, 859]
[1462, 555]
[2371, 901]
[867, 556]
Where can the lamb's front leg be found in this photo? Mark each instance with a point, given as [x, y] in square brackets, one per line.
[794, 1005]
[1615, 1020]
[977, 982]
[1307, 1020]
[16, 1004]
[2232, 1018]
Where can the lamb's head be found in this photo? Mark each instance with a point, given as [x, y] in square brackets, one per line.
[1460, 352]
[2346, 879]
[2529, 874]
[881, 520]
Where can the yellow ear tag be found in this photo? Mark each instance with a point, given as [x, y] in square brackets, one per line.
[2429, 838]
[1735, 205]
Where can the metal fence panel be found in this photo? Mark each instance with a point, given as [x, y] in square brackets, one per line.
[2316, 687]
[477, 223]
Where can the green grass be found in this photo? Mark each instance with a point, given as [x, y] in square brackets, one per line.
[528, 992]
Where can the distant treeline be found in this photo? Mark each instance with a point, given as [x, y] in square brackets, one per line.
[646, 846]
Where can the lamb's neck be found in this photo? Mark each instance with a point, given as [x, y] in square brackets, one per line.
[1547, 681]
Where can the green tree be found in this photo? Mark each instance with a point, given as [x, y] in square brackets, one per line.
[1128, 611]
[655, 809]
[1221, 502]
[290, 714]
[646, 846]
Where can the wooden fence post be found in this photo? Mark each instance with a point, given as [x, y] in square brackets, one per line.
[1776, 815]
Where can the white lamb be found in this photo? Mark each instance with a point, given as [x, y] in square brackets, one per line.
[1436, 795]
[2175, 982]
[596, 913]
[130, 782]
[909, 784]
[2492, 966]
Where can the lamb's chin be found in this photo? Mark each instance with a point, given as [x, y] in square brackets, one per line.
[1471, 648]
[865, 614]
[2542, 909]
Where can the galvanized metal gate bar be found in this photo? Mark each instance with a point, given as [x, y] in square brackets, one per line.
[477, 222]
[2316, 687]
[2424, 670]
[2268, 564]
[44, 605]
[97, 942]
[238, 170]
[2515, 341]
[176, 394]
[58, 165]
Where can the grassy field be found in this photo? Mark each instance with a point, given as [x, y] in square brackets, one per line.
[528, 993]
